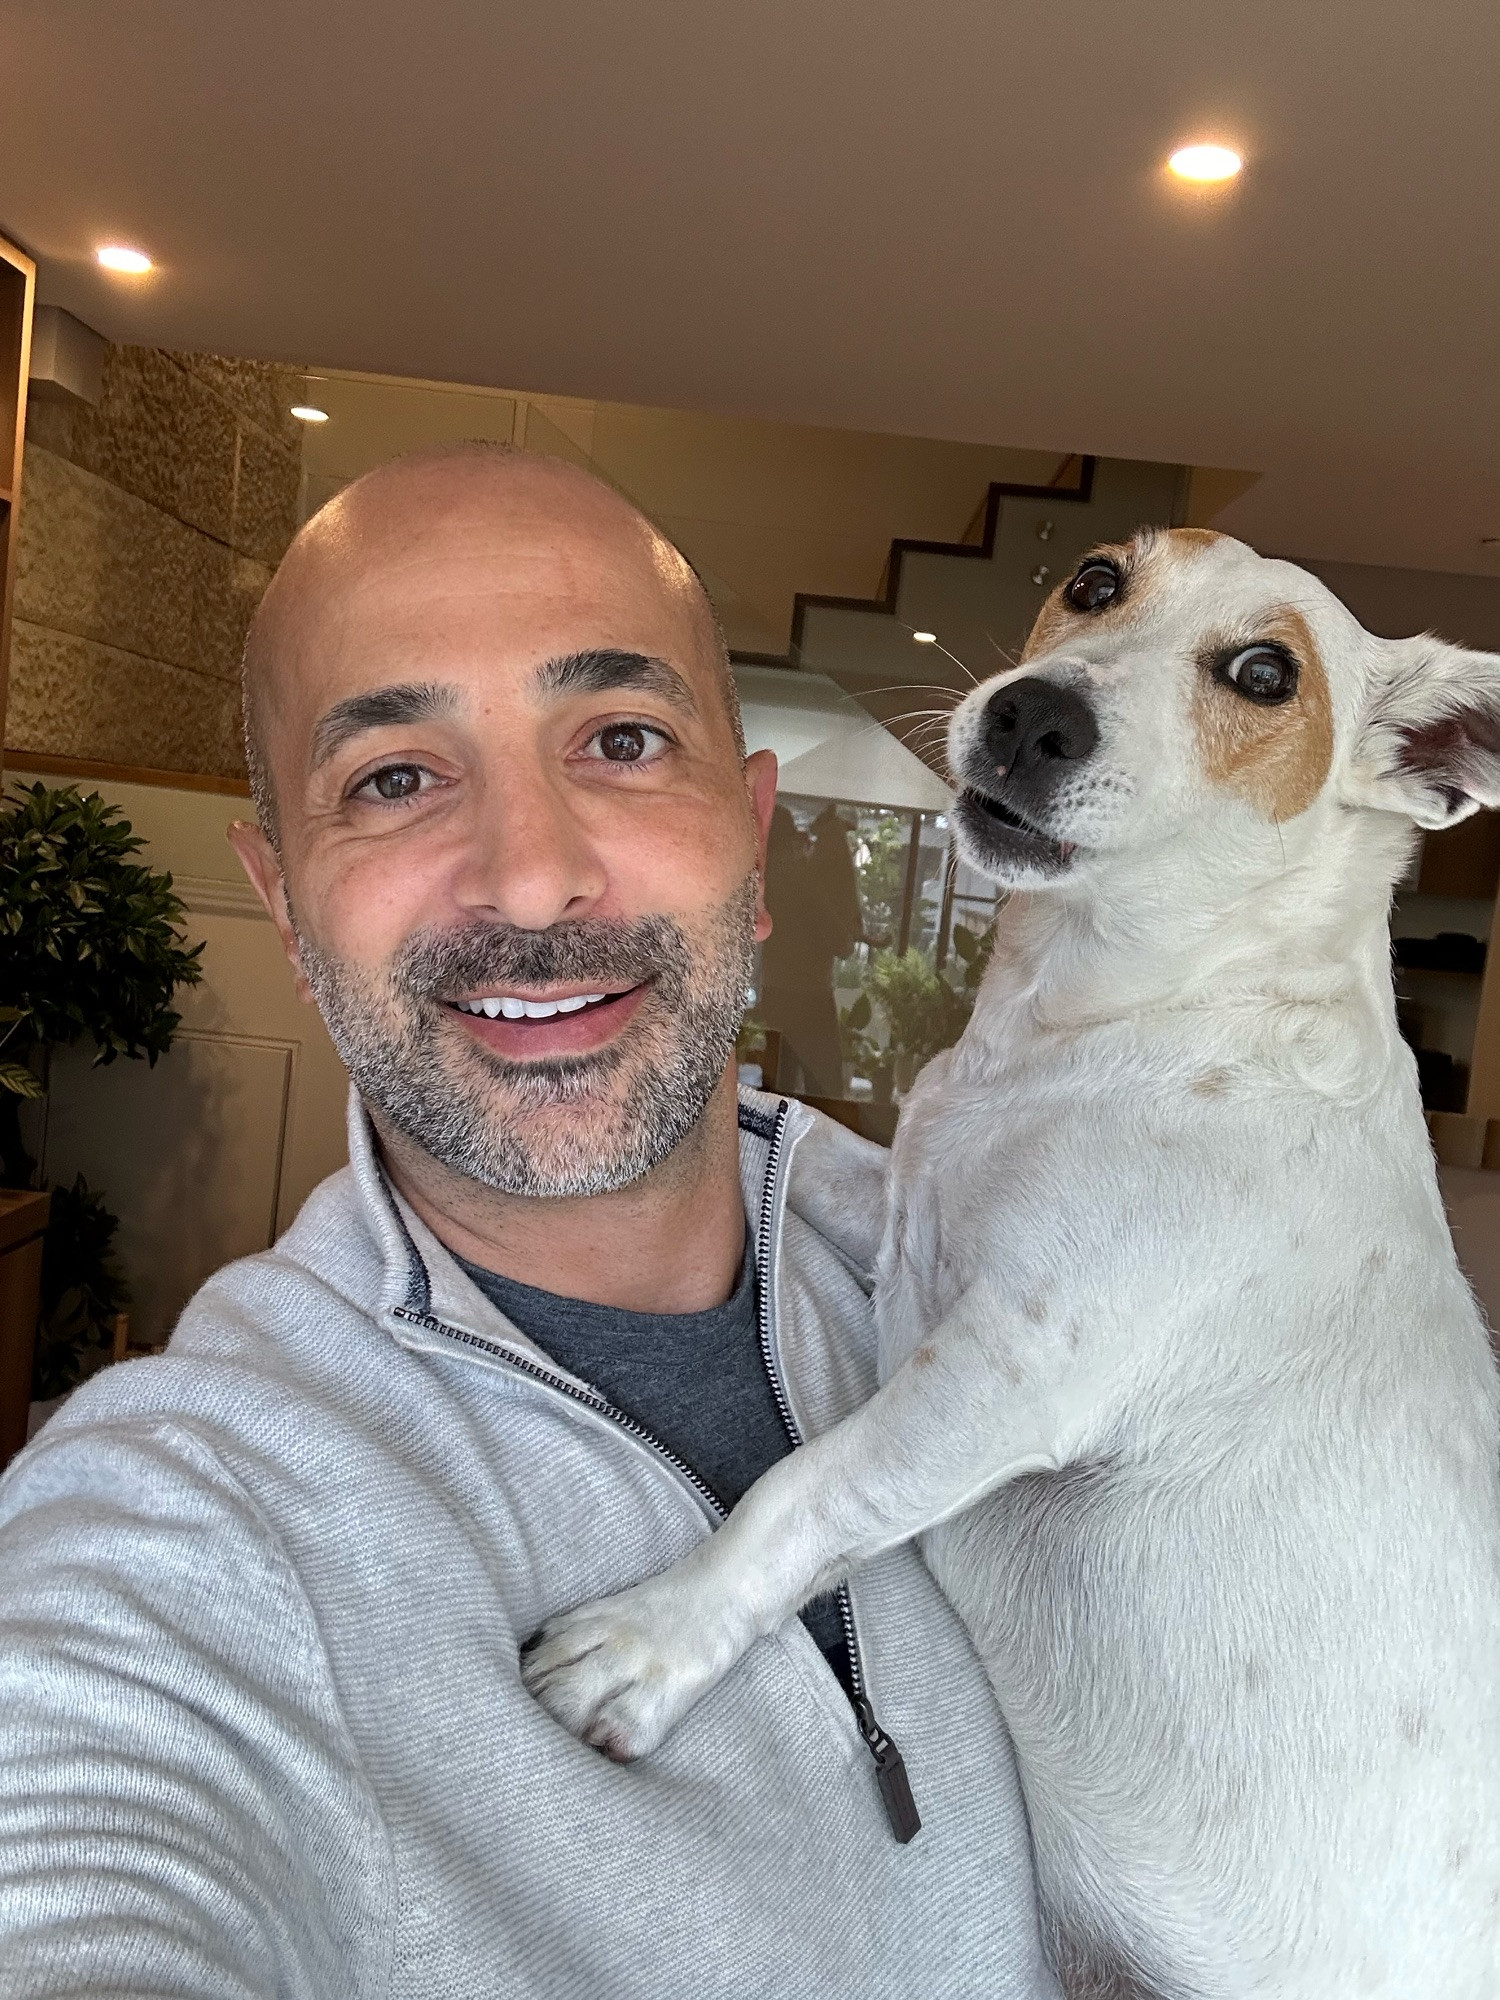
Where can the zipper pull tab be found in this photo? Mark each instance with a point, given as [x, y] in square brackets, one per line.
[890, 1774]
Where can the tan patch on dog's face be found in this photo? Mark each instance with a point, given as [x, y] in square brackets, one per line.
[1276, 758]
[1137, 560]
[1057, 616]
[1051, 620]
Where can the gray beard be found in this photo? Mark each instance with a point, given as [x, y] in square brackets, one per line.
[577, 1125]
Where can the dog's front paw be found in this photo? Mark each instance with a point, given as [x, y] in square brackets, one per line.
[619, 1673]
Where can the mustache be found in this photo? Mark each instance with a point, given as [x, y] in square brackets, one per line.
[593, 951]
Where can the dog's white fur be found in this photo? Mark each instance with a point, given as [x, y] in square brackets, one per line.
[1181, 1379]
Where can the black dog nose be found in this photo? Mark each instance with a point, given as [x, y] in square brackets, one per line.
[1035, 722]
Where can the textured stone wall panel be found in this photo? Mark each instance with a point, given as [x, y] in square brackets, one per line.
[150, 526]
[266, 490]
[96, 562]
[71, 697]
[262, 392]
[162, 435]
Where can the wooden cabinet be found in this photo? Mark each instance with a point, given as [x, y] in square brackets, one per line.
[23, 1217]
[17, 295]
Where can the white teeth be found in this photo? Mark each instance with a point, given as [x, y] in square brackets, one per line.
[530, 1010]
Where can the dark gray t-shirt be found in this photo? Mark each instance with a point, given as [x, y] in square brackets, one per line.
[696, 1380]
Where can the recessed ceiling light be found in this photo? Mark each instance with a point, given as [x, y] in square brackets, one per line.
[1205, 163]
[309, 413]
[925, 638]
[120, 257]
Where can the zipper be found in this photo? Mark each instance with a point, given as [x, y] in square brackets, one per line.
[524, 1366]
[890, 1767]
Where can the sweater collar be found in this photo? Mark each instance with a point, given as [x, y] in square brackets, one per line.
[421, 1279]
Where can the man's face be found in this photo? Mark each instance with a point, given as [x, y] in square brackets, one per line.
[518, 844]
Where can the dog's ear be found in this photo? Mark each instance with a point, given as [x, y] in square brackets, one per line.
[1430, 744]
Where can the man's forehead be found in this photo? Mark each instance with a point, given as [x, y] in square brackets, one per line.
[455, 538]
[483, 613]
[512, 566]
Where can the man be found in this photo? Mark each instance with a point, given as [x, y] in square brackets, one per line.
[262, 1730]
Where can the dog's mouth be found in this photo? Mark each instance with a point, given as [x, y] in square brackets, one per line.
[1004, 836]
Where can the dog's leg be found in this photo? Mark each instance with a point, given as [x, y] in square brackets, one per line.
[985, 1398]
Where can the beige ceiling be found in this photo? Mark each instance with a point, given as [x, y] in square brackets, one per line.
[943, 219]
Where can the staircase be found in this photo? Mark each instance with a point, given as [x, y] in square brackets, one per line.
[978, 598]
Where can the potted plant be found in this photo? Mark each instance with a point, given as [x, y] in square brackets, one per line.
[923, 1010]
[89, 948]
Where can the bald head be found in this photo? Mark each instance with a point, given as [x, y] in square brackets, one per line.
[437, 535]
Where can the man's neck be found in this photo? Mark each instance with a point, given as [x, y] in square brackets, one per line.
[671, 1242]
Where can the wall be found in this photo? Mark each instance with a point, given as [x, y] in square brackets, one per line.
[153, 520]
[1398, 602]
[209, 1154]
[150, 524]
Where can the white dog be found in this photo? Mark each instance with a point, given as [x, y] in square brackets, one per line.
[1181, 1381]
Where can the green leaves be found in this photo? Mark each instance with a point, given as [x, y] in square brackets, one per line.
[89, 947]
[90, 939]
[82, 1290]
[922, 1010]
[19, 1080]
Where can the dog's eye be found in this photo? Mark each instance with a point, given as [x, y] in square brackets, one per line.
[1096, 586]
[1261, 673]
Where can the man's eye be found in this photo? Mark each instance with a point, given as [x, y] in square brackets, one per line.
[392, 782]
[628, 742]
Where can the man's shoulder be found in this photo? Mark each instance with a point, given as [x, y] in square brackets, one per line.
[836, 1181]
[259, 1326]
[327, 1269]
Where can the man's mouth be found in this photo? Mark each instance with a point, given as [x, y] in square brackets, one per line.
[516, 1007]
[540, 1026]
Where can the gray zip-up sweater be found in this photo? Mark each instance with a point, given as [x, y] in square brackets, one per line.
[261, 1728]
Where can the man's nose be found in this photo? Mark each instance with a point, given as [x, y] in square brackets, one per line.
[1035, 723]
[529, 860]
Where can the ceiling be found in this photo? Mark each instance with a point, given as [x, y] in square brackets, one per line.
[944, 219]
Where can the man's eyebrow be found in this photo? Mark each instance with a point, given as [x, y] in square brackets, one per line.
[378, 708]
[606, 667]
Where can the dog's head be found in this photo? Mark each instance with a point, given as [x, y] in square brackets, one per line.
[1180, 683]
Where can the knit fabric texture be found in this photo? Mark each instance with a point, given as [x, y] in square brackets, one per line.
[262, 1731]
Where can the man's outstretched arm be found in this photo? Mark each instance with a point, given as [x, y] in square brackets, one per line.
[181, 1812]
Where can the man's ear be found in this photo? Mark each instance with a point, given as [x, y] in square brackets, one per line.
[1430, 745]
[262, 864]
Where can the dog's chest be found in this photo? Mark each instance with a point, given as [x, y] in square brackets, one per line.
[973, 1184]
[1118, 1191]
